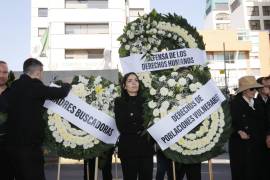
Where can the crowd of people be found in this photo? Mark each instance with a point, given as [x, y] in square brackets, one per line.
[21, 136]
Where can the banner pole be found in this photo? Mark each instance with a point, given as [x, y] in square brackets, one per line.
[210, 168]
[174, 173]
[96, 169]
[115, 163]
[87, 171]
[59, 168]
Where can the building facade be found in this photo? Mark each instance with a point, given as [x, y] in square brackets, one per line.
[250, 14]
[246, 47]
[81, 34]
[240, 56]
[217, 15]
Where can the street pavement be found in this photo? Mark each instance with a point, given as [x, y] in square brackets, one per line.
[221, 170]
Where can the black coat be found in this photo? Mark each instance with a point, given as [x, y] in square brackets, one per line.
[129, 121]
[25, 111]
[246, 156]
[3, 109]
[266, 109]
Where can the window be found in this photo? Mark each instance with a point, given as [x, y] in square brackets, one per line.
[42, 12]
[95, 28]
[267, 24]
[84, 53]
[254, 24]
[243, 55]
[222, 16]
[229, 56]
[222, 6]
[99, 4]
[135, 12]
[222, 26]
[253, 10]
[266, 10]
[41, 31]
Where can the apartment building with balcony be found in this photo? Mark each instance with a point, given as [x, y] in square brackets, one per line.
[81, 34]
[217, 15]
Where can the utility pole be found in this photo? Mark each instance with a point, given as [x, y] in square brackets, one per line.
[225, 69]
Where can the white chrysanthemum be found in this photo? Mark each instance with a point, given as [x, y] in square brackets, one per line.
[134, 49]
[182, 81]
[153, 91]
[83, 80]
[162, 78]
[124, 40]
[165, 104]
[156, 112]
[174, 74]
[171, 82]
[52, 128]
[193, 87]
[164, 91]
[98, 79]
[178, 97]
[127, 47]
[171, 93]
[152, 104]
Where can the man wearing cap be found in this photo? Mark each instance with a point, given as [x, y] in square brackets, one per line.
[248, 137]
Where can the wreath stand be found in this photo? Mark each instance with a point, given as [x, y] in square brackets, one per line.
[87, 171]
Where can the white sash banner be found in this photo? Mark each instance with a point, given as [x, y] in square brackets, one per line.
[85, 117]
[163, 60]
[176, 124]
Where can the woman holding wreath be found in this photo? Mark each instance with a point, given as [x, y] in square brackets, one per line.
[134, 148]
[248, 138]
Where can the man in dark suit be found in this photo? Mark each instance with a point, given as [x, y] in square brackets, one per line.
[5, 168]
[25, 124]
[264, 100]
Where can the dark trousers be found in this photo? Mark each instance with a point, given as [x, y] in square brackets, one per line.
[245, 160]
[28, 162]
[6, 170]
[141, 168]
[192, 171]
[106, 168]
[164, 166]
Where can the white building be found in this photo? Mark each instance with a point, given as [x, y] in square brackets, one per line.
[250, 14]
[82, 34]
[217, 15]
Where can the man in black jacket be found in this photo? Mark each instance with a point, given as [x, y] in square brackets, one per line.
[264, 100]
[5, 168]
[25, 124]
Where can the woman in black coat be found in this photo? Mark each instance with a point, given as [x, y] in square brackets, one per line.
[248, 138]
[134, 149]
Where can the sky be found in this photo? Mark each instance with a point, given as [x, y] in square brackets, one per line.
[15, 25]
